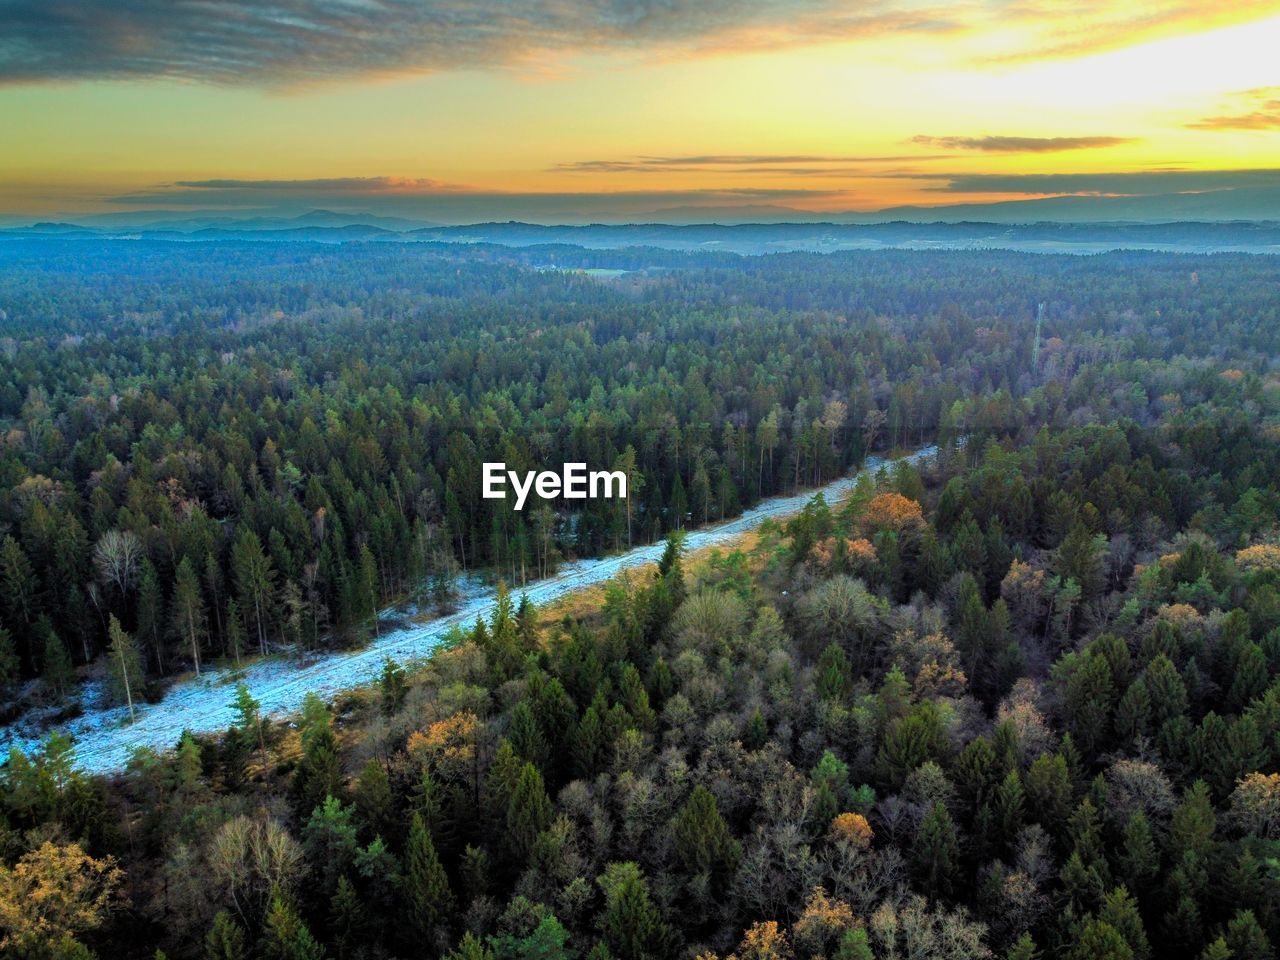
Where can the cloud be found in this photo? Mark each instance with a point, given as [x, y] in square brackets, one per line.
[282, 42]
[344, 185]
[1260, 110]
[796, 164]
[1097, 26]
[1127, 183]
[431, 200]
[1020, 144]
[257, 42]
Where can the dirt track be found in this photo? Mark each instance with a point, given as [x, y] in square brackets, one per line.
[104, 741]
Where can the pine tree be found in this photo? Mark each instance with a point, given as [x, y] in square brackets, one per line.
[630, 924]
[474, 872]
[286, 936]
[319, 772]
[126, 665]
[235, 632]
[1250, 677]
[1100, 941]
[702, 838]
[1193, 822]
[757, 732]
[56, 670]
[18, 583]
[250, 725]
[500, 784]
[587, 744]
[368, 586]
[187, 766]
[1024, 948]
[187, 615]
[395, 687]
[471, 947]
[225, 940]
[9, 666]
[526, 734]
[854, 945]
[254, 577]
[529, 811]
[373, 799]
[937, 851]
[1048, 788]
[427, 894]
[1246, 939]
[1010, 806]
[1139, 860]
[834, 676]
[348, 921]
[1120, 911]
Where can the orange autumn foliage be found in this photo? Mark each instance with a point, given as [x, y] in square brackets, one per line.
[852, 827]
[859, 552]
[892, 511]
[763, 941]
[448, 744]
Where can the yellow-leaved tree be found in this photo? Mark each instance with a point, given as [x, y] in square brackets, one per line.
[52, 895]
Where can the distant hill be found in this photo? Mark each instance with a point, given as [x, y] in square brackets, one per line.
[1247, 235]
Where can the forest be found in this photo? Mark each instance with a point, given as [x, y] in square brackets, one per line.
[1021, 702]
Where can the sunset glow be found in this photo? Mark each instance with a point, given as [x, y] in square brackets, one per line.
[809, 106]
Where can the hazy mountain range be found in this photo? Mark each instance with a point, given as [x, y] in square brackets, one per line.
[1239, 219]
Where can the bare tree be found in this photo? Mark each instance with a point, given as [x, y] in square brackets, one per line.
[116, 557]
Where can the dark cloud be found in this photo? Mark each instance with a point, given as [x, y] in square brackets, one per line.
[1137, 183]
[430, 200]
[281, 42]
[1258, 109]
[284, 41]
[797, 164]
[1020, 144]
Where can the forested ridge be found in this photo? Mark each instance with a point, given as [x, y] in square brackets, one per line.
[1021, 703]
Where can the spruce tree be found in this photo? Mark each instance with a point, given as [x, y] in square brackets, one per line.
[631, 925]
[225, 940]
[529, 811]
[319, 772]
[126, 666]
[427, 895]
[187, 615]
[937, 852]
[702, 838]
[56, 672]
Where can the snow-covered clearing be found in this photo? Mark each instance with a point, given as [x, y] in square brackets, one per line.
[104, 739]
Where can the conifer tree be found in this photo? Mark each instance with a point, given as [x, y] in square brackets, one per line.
[427, 894]
[225, 940]
[529, 811]
[319, 772]
[126, 666]
[702, 838]
[187, 615]
[937, 852]
[56, 670]
[631, 925]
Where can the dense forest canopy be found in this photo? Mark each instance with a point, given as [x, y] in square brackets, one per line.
[309, 421]
[1023, 702]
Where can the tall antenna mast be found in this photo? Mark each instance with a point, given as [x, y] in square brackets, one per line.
[1035, 351]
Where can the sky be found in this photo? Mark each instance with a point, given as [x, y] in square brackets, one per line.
[572, 110]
